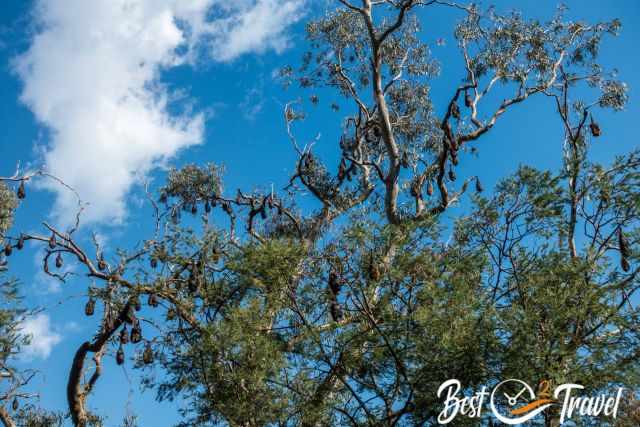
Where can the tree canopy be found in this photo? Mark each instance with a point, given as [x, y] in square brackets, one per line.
[259, 309]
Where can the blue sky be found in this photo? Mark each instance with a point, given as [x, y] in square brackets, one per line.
[224, 107]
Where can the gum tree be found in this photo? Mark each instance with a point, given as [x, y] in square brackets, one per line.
[16, 407]
[10, 313]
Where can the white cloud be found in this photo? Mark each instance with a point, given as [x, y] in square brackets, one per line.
[72, 327]
[92, 77]
[44, 283]
[43, 337]
[253, 102]
[253, 26]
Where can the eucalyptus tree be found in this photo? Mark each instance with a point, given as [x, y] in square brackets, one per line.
[15, 402]
[262, 310]
[10, 339]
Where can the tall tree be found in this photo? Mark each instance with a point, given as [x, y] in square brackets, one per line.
[17, 407]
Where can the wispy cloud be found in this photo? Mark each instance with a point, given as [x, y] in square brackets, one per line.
[92, 76]
[252, 26]
[44, 283]
[253, 102]
[43, 338]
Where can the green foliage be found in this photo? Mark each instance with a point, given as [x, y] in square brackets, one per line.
[31, 416]
[305, 320]
[193, 184]
[8, 204]
[10, 316]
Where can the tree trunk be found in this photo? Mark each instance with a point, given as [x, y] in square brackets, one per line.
[75, 396]
[5, 418]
